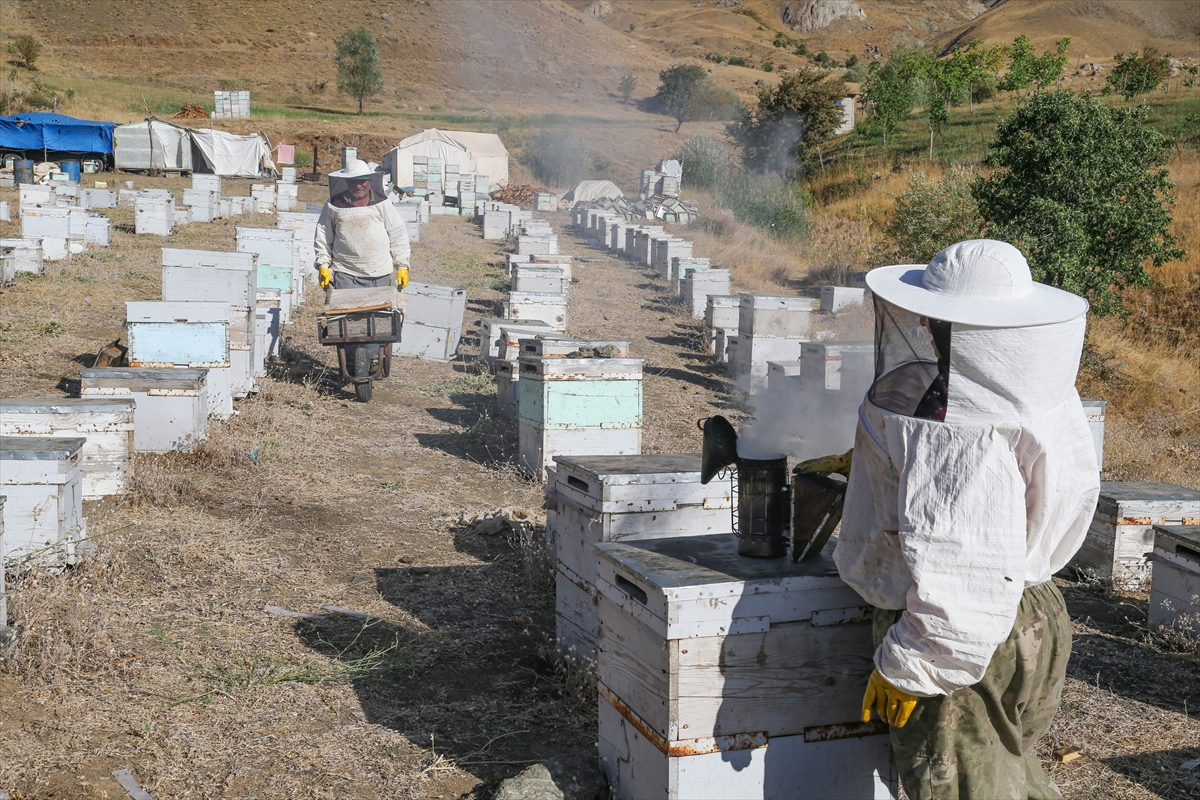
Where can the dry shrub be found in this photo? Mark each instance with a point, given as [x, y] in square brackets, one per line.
[836, 248]
[174, 479]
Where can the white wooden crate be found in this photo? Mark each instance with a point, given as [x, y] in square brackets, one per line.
[1122, 532]
[621, 498]
[170, 405]
[427, 342]
[27, 253]
[175, 334]
[546, 280]
[508, 376]
[728, 659]
[42, 479]
[767, 316]
[720, 311]
[1095, 409]
[434, 305]
[531, 245]
[106, 423]
[555, 346]
[838, 367]
[1175, 582]
[490, 329]
[835, 298]
[549, 308]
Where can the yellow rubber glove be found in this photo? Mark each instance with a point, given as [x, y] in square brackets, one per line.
[324, 277]
[893, 705]
[402, 276]
[839, 464]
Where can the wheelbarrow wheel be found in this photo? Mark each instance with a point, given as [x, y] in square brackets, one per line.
[362, 368]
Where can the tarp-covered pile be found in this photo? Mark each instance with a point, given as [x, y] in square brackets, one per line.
[155, 144]
[589, 191]
[58, 132]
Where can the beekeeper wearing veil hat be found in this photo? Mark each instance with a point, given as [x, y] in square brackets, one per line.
[361, 241]
[973, 481]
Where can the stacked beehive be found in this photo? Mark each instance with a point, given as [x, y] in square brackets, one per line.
[231, 105]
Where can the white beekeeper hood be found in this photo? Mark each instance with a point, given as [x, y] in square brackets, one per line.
[951, 516]
[356, 169]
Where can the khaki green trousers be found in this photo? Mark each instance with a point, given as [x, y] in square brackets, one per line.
[978, 743]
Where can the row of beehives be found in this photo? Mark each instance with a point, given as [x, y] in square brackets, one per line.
[56, 222]
[569, 395]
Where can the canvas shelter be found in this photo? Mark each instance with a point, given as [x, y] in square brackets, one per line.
[229, 154]
[153, 144]
[475, 153]
[587, 191]
[58, 133]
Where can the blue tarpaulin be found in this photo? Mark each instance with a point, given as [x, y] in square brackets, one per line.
[42, 131]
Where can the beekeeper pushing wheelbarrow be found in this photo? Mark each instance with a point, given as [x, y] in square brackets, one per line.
[362, 263]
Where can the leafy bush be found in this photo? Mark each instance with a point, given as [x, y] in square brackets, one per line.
[1082, 189]
[767, 202]
[704, 161]
[626, 87]
[801, 49]
[26, 49]
[738, 61]
[932, 215]
[557, 158]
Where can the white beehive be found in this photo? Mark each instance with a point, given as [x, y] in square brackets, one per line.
[545, 280]
[533, 245]
[620, 498]
[1122, 531]
[783, 377]
[42, 479]
[267, 326]
[578, 406]
[26, 254]
[432, 321]
[721, 312]
[206, 183]
[679, 269]
[7, 634]
[154, 216]
[1175, 582]
[98, 230]
[490, 328]
[220, 277]
[722, 676]
[665, 251]
[305, 227]
[98, 198]
[554, 346]
[276, 248]
[769, 329]
[549, 308]
[106, 423]
[1094, 409]
[196, 335]
[170, 405]
[835, 298]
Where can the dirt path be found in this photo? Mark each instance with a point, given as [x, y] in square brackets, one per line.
[157, 654]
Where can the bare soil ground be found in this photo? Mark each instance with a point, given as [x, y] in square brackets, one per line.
[157, 653]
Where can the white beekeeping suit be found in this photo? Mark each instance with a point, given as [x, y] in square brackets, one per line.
[953, 519]
[367, 242]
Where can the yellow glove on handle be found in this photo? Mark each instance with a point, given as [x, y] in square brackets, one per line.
[324, 277]
[839, 464]
[402, 276]
[893, 705]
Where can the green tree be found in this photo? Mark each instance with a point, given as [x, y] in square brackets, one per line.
[626, 87]
[1082, 189]
[932, 215]
[357, 62]
[686, 92]
[890, 94]
[791, 119]
[26, 49]
[1026, 69]
[1138, 74]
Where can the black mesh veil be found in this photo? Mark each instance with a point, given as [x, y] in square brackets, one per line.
[906, 362]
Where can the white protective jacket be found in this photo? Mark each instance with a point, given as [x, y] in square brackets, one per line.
[368, 241]
[952, 520]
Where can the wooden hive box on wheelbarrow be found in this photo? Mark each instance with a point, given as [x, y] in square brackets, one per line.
[722, 676]
[106, 423]
[620, 498]
[578, 406]
[42, 479]
[170, 405]
[195, 335]
[433, 321]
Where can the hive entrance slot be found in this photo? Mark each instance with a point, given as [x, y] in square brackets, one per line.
[575, 483]
[632, 589]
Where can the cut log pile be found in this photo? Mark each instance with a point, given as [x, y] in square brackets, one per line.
[520, 194]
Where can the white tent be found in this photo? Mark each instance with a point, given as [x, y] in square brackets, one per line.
[475, 153]
[227, 154]
[153, 144]
[490, 154]
[587, 191]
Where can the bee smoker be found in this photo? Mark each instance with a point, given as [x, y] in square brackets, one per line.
[759, 487]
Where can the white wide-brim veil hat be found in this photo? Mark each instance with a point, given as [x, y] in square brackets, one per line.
[980, 282]
[355, 168]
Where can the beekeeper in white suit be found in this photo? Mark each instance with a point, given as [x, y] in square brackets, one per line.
[974, 479]
[361, 241]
